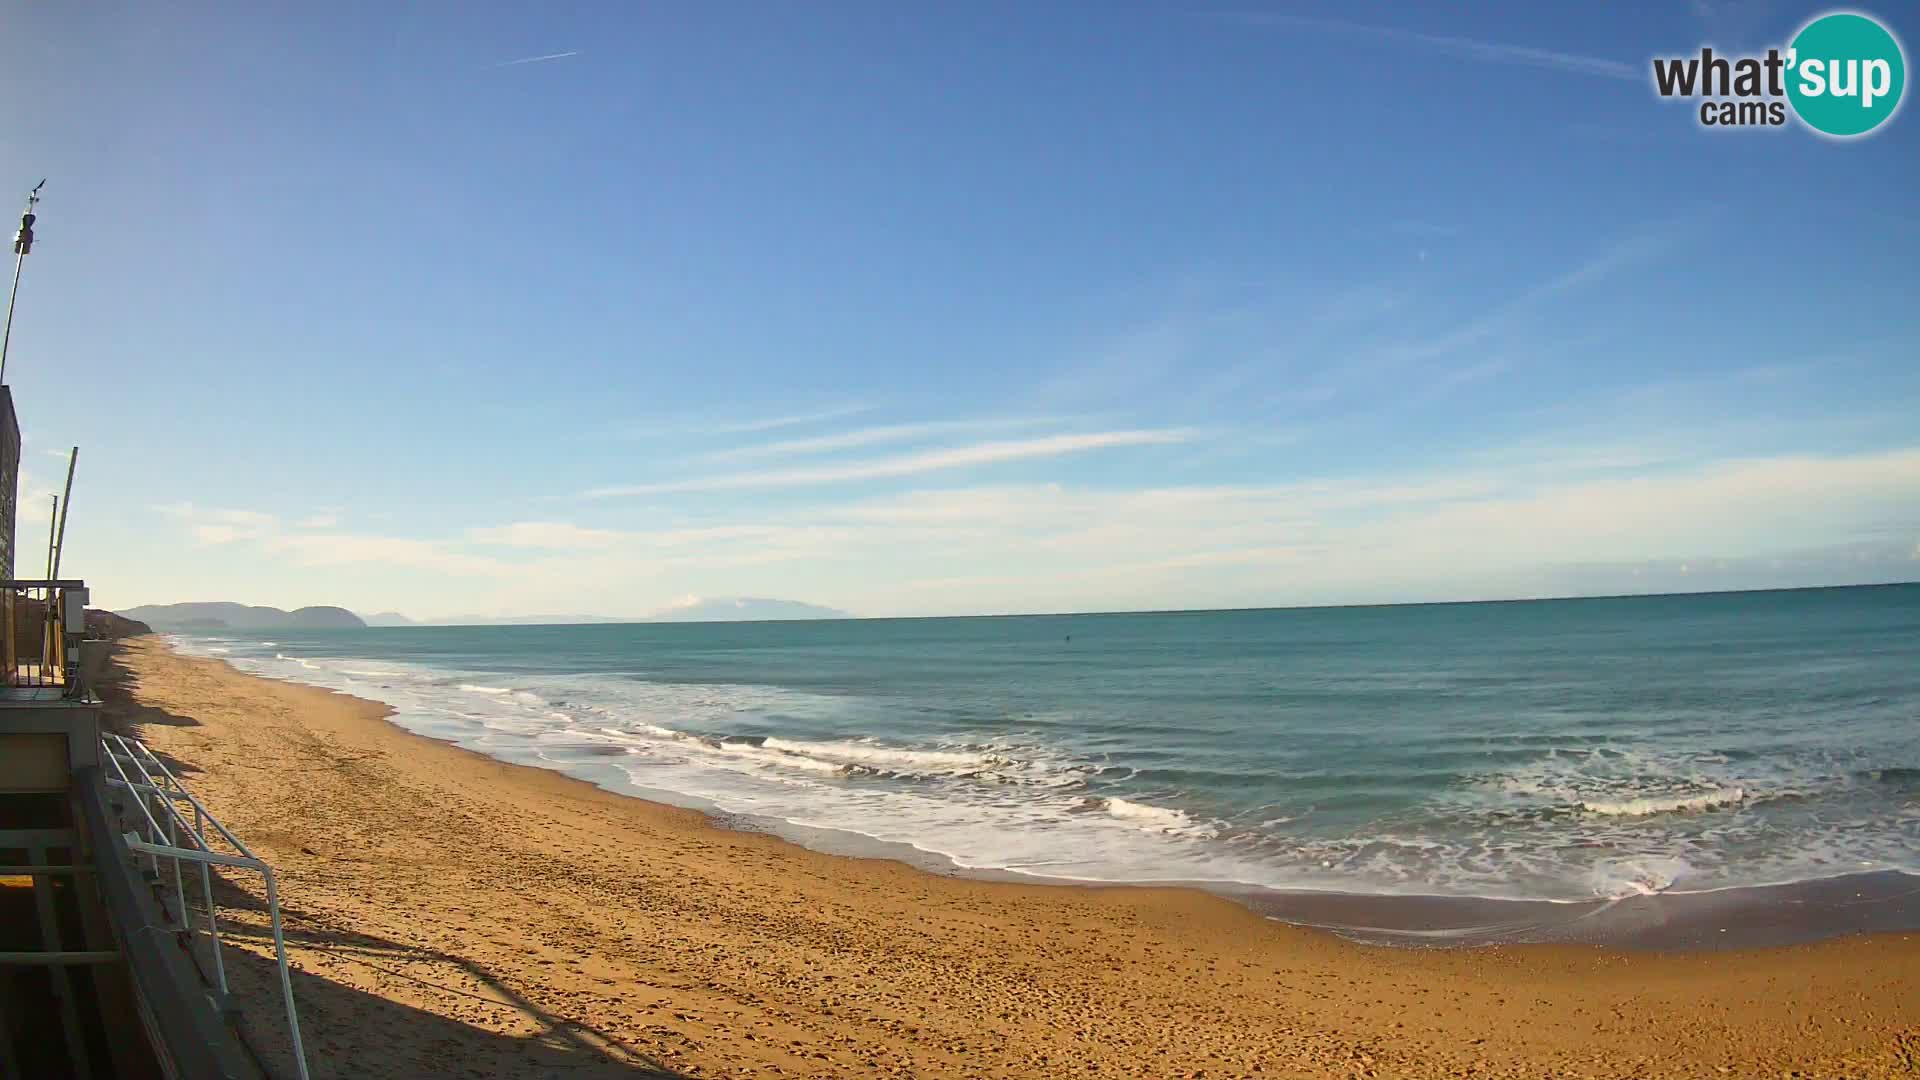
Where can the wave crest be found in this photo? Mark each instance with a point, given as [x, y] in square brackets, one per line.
[1151, 818]
[1676, 804]
[863, 759]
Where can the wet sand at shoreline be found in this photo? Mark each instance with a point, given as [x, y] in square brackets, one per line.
[1882, 902]
[450, 915]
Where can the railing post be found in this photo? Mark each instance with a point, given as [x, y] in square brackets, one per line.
[153, 826]
[286, 978]
[213, 930]
[179, 887]
[132, 750]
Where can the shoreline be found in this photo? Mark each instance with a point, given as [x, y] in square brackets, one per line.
[505, 905]
[1726, 917]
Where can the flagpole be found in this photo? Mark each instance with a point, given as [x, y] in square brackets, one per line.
[22, 245]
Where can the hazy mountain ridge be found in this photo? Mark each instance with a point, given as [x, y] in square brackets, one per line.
[522, 620]
[692, 609]
[112, 627]
[224, 615]
[743, 609]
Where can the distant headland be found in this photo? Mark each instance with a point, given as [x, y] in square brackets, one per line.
[691, 609]
[220, 615]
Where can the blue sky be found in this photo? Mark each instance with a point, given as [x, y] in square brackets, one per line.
[991, 308]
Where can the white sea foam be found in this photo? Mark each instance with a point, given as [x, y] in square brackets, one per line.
[721, 751]
[942, 761]
[1566, 824]
[989, 764]
[1631, 783]
[1155, 818]
[644, 729]
[1620, 878]
[1673, 804]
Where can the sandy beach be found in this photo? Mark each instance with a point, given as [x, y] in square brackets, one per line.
[450, 915]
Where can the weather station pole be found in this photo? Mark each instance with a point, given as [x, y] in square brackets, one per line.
[22, 245]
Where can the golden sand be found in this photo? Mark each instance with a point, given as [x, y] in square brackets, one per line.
[450, 915]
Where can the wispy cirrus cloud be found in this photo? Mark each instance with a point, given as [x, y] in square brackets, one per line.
[868, 436]
[352, 549]
[1635, 248]
[552, 535]
[218, 527]
[212, 525]
[1767, 522]
[1498, 524]
[774, 423]
[1492, 52]
[905, 464]
[36, 495]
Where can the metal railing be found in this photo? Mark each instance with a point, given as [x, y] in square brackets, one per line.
[170, 836]
[41, 624]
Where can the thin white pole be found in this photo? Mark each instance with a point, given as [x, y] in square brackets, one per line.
[66, 504]
[19, 263]
[22, 244]
[286, 978]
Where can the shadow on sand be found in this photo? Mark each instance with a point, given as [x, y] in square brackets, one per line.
[353, 1033]
[122, 715]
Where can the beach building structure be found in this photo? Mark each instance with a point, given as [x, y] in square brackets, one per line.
[111, 960]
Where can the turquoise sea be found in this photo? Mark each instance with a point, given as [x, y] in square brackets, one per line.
[1567, 750]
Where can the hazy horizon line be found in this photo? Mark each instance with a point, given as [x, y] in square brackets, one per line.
[623, 620]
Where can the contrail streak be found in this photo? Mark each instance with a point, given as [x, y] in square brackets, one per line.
[539, 59]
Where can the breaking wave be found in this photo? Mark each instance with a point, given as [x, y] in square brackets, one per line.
[864, 758]
[1154, 818]
[1544, 818]
[1672, 805]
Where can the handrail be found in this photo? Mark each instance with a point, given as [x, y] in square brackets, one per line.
[166, 843]
[182, 790]
[187, 1036]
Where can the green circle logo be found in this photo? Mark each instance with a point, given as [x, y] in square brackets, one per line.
[1845, 74]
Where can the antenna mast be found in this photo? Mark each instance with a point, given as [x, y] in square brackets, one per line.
[22, 245]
